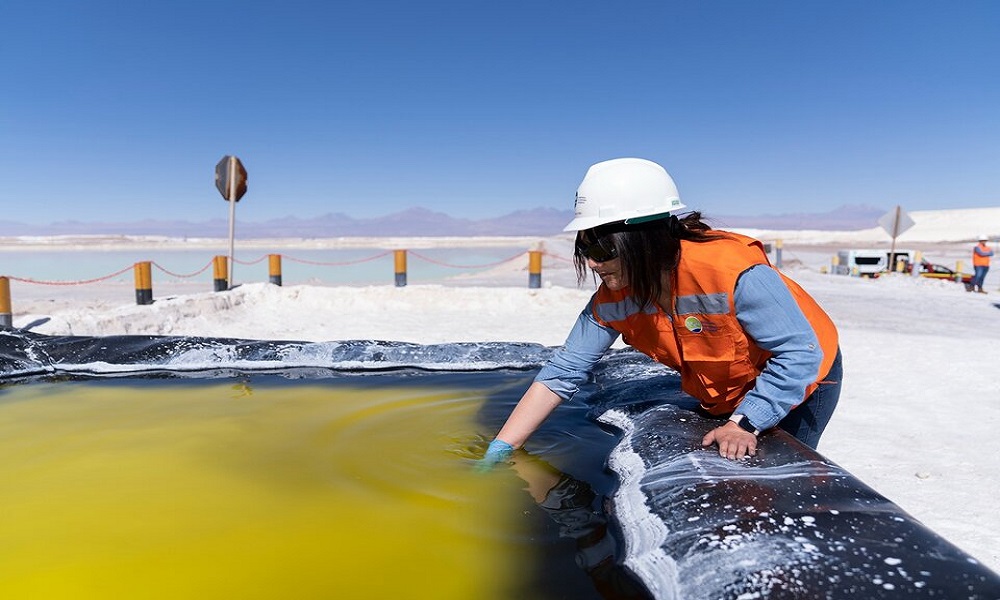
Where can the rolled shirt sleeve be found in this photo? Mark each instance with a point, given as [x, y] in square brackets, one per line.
[571, 365]
[771, 317]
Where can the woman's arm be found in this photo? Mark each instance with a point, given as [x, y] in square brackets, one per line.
[559, 379]
[772, 318]
[535, 406]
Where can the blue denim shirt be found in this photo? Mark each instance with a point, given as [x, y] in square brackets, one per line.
[768, 314]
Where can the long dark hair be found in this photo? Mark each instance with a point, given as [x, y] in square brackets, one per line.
[646, 250]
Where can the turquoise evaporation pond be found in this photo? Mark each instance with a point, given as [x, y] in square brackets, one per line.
[298, 266]
[269, 485]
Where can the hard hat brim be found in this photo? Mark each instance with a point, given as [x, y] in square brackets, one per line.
[656, 217]
[581, 223]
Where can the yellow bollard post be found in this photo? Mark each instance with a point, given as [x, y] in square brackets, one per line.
[143, 283]
[918, 259]
[834, 264]
[274, 268]
[777, 253]
[220, 270]
[958, 271]
[400, 264]
[534, 269]
[6, 318]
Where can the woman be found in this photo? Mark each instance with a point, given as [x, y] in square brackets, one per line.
[748, 342]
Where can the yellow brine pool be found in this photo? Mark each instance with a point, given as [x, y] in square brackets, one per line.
[265, 487]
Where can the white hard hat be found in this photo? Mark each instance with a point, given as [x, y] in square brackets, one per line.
[624, 189]
[983, 237]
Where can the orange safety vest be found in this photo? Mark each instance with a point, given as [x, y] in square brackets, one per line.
[981, 260]
[717, 361]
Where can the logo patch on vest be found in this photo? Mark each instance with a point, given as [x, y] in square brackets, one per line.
[693, 324]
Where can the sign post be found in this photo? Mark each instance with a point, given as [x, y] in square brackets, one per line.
[895, 222]
[231, 181]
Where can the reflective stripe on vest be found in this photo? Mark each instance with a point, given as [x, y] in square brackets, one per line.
[620, 310]
[713, 304]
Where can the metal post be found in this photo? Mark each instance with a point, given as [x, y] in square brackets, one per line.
[777, 254]
[895, 232]
[232, 213]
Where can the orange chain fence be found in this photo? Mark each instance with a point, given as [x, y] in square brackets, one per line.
[143, 272]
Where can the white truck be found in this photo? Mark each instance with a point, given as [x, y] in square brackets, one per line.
[872, 262]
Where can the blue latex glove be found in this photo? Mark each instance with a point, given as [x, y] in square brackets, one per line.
[498, 451]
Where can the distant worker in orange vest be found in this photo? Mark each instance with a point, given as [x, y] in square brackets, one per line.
[981, 262]
[750, 345]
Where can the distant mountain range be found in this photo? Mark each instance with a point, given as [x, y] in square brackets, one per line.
[421, 222]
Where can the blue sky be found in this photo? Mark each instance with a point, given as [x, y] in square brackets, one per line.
[120, 110]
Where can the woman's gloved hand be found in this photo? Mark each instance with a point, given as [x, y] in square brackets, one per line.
[497, 452]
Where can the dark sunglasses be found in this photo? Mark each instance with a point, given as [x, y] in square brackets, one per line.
[596, 251]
